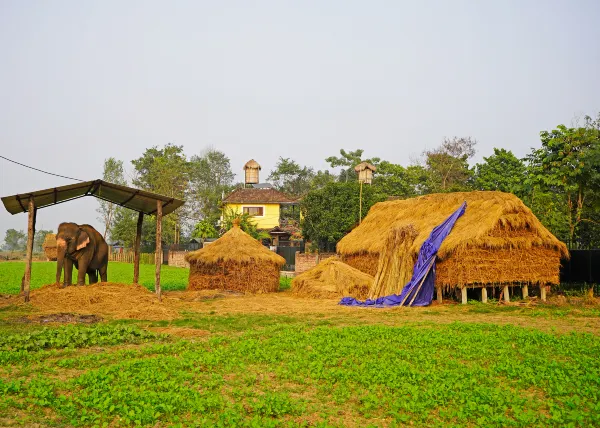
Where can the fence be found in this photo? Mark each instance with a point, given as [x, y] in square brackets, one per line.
[127, 257]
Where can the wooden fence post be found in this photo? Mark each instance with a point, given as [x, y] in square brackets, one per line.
[30, 235]
[464, 295]
[506, 294]
[483, 295]
[138, 240]
[159, 256]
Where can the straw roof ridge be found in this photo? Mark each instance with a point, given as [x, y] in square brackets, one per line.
[234, 246]
[492, 220]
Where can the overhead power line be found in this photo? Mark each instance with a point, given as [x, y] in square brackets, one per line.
[39, 170]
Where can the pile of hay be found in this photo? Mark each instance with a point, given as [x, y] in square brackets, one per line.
[497, 241]
[237, 262]
[330, 279]
[49, 247]
[107, 299]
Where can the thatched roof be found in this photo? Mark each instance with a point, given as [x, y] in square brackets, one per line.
[235, 246]
[493, 220]
[252, 164]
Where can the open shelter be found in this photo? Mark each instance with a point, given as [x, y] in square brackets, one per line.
[136, 199]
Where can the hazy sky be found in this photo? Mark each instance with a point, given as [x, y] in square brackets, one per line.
[84, 80]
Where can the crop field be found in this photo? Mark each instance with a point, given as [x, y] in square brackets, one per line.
[171, 278]
[276, 360]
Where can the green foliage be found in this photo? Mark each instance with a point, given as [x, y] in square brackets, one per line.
[448, 165]
[204, 229]
[331, 212]
[281, 375]
[246, 224]
[348, 160]
[290, 178]
[73, 336]
[171, 278]
[113, 173]
[502, 171]
[38, 239]
[14, 240]
[396, 180]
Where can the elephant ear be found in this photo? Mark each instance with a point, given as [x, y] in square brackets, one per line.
[83, 239]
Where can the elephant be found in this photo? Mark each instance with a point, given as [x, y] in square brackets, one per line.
[84, 247]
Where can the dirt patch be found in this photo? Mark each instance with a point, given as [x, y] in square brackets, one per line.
[180, 331]
[62, 318]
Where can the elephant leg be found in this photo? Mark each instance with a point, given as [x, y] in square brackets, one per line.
[103, 275]
[93, 275]
[68, 279]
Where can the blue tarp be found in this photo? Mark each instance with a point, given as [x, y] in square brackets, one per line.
[419, 289]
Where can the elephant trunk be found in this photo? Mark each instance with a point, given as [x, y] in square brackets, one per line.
[60, 257]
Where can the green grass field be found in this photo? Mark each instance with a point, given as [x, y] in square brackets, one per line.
[171, 278]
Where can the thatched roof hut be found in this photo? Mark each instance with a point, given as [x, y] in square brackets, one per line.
[49, 247]
[331, 279]
[497, 241]
[235, 261]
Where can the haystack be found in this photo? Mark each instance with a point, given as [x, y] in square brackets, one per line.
[237, 262]
[498, 241]
[330, 279]
[49, 247]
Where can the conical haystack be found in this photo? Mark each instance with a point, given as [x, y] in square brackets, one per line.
[235, 261]
[49, 247]
[330, 279]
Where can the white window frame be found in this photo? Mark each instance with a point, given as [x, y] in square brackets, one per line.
[264, 210]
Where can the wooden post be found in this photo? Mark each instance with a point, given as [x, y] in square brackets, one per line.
[439, 295]
[464, 295]
[138, 241]
[543, 292]
[525, 290]
[506, 294]
[159, 256]
[483, 295]
[30, 235]
[360, 204]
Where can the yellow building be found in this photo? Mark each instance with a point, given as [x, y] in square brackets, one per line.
[262, 204]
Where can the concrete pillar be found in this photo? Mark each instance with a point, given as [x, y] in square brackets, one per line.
[439, 294]
[506, 294]
[464, 295]
[543, 292]
[483, 295]
[525, 290]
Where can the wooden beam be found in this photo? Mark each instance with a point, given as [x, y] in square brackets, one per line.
[159, 256]
[464, 295]
[483, 295]
[439, 295]
[30, 235]
[525, 290]
[506, 294]
[543, 292]
[138, 241]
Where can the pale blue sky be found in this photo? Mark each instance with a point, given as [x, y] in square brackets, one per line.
[84, 80]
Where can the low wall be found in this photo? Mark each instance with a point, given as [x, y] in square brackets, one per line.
[177, 258]
[306, 261]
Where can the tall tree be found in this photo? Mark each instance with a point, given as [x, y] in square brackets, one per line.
[502, 171]
[348, 160]
[568, 164]
[396, 180]
[448, 166]
[210, 178]
[321, 179]
[38, 240]
[15, 240]
[289, 177]
[113, 173]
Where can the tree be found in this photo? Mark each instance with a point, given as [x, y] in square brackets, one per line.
[448, 167]
[246, 224]
[289, 177]
[502, 171]
[321, 179]
[331, 212]
[348, 160]
[396, 180]
[568, 164]
[15, 240]
[204, 229]
[113, 173]
[210, 178]
[38, 239]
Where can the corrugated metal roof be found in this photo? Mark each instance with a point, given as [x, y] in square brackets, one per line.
[129, 197]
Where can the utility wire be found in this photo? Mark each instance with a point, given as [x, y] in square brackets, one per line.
[36, 169]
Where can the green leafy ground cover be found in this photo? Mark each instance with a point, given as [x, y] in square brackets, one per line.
[296, 371]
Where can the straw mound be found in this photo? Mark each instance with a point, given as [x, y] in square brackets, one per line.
[332, 279]
[49, 247]
[234, 246]
[490, 222]
[108, 299]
